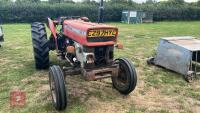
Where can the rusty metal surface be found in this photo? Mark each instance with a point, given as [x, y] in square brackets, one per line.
[101, 73]
[71, 71]
[186, 42]
[92, 74]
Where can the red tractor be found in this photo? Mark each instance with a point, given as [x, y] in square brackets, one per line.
[88, 47]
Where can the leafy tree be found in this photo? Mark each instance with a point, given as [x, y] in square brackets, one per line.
[150, 1]
[86, 1]
[119, 1]
[5, 0]
[69, 1]
[198, 2]
[94, 2]
[177, 1]
[130, 2]
[32, 1]
[35, 0]
[56, 1]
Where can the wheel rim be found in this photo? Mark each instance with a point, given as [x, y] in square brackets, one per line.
[190, 77]
[122, 80]
[52, 87]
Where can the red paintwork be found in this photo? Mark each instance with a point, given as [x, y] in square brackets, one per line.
[81, 26]
[52, 27]
[53, 30]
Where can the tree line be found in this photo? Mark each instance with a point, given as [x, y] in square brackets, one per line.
[93, 1]
[35, 10]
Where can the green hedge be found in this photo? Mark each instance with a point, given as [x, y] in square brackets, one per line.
[39, 12]
[186, 13]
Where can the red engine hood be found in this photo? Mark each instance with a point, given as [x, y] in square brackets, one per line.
[82, 25]
[77, 30]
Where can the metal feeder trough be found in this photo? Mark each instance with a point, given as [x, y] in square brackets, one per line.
[1, 36]
[179, 54]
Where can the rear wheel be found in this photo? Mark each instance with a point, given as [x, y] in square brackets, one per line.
[190, 76]
[126, 80]
[150, 61]
[40, 45]
[57, 87]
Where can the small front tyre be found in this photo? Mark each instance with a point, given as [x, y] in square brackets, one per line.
[150, 61]
[57, 87]
[190, 76]
[126, 80]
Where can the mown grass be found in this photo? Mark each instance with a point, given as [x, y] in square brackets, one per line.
[158, 90]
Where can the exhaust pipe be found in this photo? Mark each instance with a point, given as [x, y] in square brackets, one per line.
[101, 9]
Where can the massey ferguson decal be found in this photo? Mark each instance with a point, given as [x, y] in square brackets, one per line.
[75, 30]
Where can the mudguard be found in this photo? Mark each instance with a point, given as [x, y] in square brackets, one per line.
[52, 27]
[53, 30]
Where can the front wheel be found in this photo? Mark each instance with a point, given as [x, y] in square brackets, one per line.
[126, 80]
[57, 87]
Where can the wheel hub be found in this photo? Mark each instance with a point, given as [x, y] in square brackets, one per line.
[53, 90]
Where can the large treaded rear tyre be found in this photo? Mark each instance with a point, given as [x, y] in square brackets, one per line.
[126, 80]
[57, 87]
[40, 45]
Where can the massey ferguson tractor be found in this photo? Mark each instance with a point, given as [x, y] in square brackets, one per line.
[88, 48]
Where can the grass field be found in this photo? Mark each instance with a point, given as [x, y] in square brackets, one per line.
[158, 90]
